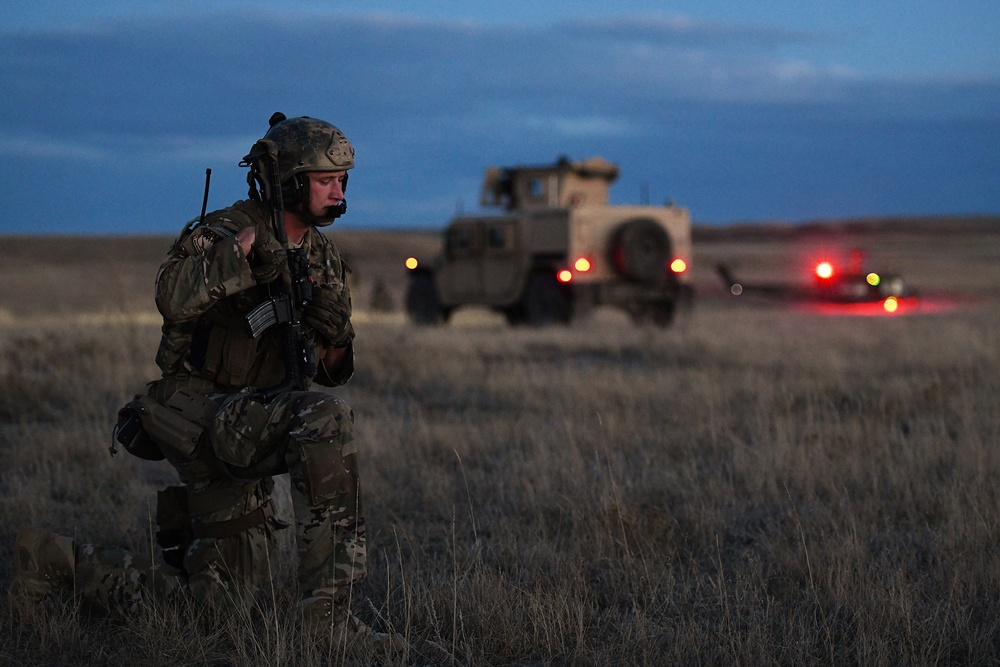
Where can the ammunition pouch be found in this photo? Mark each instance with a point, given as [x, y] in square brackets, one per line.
[155, 431]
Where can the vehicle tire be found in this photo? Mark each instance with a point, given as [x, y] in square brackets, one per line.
[514, 314]
[657, 314]
[546, 301]
[640, 250]
[423, 304]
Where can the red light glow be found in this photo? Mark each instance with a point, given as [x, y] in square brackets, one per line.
[564, 276]
[894, 306]
[824, 270]
[678, 265]
[582, 265]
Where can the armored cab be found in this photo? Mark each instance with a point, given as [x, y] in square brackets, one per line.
[558, 248]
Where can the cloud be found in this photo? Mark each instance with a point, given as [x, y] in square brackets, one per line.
[578, 126]
[50, 148]
[192, 148]
[429, 103]
[676, 31]
[182, 75]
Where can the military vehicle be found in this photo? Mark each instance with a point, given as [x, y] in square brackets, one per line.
[834, 284]
[557, 249]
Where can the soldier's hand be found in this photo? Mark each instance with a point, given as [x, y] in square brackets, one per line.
[328, 312]
[267, 256]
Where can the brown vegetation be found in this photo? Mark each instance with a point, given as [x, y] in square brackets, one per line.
[754, 485]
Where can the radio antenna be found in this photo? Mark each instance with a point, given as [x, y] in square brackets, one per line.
[204, 201]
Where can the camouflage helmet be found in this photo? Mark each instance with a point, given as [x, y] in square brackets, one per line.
[303, 144]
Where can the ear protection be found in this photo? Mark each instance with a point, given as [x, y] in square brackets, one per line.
[295, 190]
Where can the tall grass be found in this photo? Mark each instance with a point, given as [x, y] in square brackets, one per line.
[752, 486]
[749, 487]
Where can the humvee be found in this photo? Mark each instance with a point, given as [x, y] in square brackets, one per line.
[558, 249]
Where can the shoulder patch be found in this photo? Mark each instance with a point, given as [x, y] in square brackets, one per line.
[203, 238]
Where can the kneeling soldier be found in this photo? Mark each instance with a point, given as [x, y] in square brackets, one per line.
[233, 406]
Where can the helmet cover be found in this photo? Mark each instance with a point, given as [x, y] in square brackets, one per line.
[303, 144]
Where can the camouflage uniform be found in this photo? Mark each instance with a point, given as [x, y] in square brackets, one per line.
[217, 531]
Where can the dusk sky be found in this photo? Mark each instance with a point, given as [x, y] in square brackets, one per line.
[740, 111]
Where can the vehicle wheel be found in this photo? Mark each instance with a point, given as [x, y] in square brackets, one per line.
[422, 301]
[546, 301]
[514, 315]
[657, 314]
[641, 250]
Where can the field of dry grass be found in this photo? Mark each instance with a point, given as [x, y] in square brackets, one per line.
[755, 485]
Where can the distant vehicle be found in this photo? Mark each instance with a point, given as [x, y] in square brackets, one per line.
[559, 249]
[831, 284]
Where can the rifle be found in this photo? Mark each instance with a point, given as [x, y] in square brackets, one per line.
[284, 308]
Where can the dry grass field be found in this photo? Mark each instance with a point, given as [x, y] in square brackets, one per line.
[757, 484]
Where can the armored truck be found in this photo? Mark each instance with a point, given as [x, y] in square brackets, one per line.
[557, 249]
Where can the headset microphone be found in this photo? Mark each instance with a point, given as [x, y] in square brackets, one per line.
[340, 209]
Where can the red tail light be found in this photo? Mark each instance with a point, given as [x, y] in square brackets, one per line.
[824, 270]
[678, 265]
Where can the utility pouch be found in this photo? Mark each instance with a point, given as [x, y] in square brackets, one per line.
[175, 427]
[129, 433]
[174, 533]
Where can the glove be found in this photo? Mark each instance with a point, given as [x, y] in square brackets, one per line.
[328, 312]
[267, 258]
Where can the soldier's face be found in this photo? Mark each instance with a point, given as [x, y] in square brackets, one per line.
[326, 188]
[326, 192]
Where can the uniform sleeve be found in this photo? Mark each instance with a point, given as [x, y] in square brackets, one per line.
[206, 267]
[333, 271]
[346, 371]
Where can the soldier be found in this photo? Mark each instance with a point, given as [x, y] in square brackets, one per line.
[227, 416]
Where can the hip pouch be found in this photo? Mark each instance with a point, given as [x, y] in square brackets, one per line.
[153, 431]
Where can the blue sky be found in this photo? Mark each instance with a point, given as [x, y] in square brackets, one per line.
[741, 111]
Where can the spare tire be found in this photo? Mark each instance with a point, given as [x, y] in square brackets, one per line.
[640, 250]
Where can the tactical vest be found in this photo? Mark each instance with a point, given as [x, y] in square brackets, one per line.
[217, 346]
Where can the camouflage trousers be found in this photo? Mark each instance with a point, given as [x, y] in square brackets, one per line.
[223, 514]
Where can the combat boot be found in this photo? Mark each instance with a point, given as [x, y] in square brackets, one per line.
[43, 563]
[330, 624]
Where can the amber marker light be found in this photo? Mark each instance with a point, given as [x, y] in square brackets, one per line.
[891, 304]
[411, 263]
[678, 265]
[564, 276]
[582, 265]
[824, 270]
